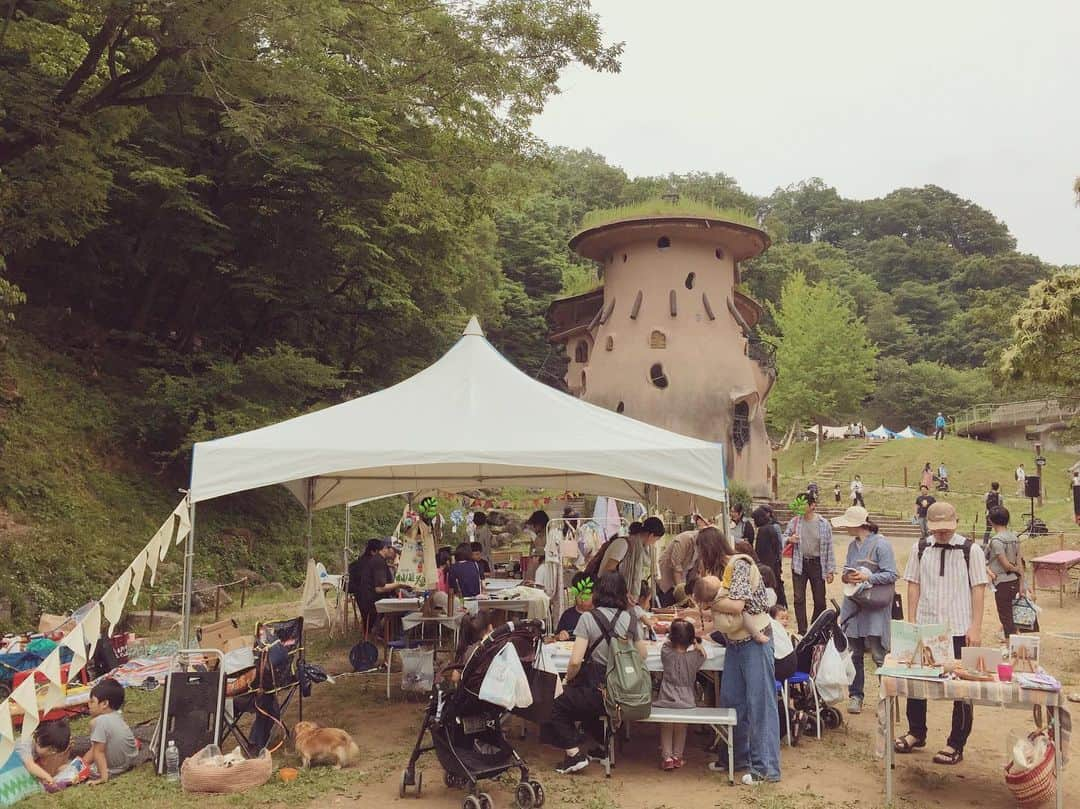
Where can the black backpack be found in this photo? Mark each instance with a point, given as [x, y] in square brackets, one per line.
[993, 499]
[966, 548]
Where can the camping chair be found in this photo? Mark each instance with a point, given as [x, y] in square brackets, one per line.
[266, 689]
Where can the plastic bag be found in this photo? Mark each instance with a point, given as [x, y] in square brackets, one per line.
[417, 669]
[832, 678]
[505, 683]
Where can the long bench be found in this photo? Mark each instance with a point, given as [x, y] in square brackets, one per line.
[721, 720]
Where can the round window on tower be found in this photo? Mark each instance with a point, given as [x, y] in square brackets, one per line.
[657, 376]
[663, 242]
[720, 253]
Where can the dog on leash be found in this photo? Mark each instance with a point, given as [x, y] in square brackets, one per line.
[318, 745]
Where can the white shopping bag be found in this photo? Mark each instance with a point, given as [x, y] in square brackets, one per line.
[505, 683]
[832, 679]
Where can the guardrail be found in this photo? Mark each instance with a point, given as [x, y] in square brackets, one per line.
[1033, 411]
[217, 590]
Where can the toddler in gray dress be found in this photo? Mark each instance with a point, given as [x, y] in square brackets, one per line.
[682, 656]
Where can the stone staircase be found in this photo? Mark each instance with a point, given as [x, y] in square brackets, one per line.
[830, 473]
[894, 527]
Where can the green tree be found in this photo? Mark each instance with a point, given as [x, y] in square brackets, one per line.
[810, 211]
[1045, 346]
[913, 393]
[825, 360]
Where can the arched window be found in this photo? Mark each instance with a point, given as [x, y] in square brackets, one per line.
[663, 242]
[690, 280]
[581, 351]
[740, 426]
[582, 383]
[657, 339]
[620, 407]
[609, 343]
[657, 376]
[720, 253]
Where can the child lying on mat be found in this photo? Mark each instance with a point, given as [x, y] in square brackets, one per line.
[46, 753]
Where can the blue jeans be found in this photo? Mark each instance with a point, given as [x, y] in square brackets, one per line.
[859, 647]
[749, 686]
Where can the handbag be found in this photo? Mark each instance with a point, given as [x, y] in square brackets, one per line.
[877, 596]
[1025, 614]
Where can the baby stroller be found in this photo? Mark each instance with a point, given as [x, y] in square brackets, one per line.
[809, 712]
[466, 732]
[942, 483]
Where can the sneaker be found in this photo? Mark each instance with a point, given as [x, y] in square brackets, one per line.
[749, 780]
[573, 764]
[597, 754]
[855, 705]
[667, 764]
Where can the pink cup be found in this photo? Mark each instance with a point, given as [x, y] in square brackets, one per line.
[1005, 672]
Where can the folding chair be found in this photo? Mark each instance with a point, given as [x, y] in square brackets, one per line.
[267, 689]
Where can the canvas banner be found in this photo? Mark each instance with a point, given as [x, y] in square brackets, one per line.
[417, 566]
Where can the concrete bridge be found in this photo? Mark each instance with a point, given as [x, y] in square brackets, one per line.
[1018, 424]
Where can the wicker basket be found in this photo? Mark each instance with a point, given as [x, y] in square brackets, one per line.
[1033, 787]
[200, 773]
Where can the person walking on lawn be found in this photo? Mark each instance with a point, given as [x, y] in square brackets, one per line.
[922, 503]
[946, 585]
[813, 560]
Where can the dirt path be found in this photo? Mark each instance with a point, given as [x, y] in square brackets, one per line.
[841, 770]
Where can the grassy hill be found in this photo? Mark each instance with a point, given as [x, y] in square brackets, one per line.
[972, 466]
[78, 500]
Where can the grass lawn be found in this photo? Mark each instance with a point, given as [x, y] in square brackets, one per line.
[972, 466]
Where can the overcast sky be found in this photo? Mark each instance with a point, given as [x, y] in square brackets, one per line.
[982, 98]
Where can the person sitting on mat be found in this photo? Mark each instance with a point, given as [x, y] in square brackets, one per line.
[46, 752]
[113, 749]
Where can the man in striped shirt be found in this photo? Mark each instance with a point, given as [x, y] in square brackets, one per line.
[946, 584]
[813, 560]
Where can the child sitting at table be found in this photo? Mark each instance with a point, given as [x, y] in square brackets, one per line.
[581, 586]
[478, 557]
[474, 628]
[682, 657]
[464, 575]
[46, 753]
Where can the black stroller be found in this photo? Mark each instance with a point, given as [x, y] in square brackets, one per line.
[467, 734]
[807, 707]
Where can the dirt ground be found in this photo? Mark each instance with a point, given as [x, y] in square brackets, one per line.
[841, 770]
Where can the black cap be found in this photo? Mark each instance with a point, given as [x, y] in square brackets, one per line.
[654, 526]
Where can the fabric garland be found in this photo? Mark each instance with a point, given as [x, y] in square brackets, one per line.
[138, 569]
[74, 640]
[7, 732]
[25, 696]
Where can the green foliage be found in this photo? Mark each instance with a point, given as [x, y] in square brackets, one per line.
[1046, 334]
[739, 495]
[825, 359]
[914, 393]
[660, 207]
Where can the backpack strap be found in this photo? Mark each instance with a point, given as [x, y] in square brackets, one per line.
[966, 548]
[606, 630]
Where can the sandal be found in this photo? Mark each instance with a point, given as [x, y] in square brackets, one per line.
[947, 757]
[1074, 697]
[902, 745]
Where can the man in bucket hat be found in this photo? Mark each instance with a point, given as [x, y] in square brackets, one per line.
[946, 585]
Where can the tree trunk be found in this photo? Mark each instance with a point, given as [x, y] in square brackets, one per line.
[817, 442]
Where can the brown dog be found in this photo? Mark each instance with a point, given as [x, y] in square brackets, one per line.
[318, 745]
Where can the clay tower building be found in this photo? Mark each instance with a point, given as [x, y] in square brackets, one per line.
[670, 339]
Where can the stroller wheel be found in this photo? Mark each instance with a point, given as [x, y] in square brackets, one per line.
[485, 801]
[525, 795]
[538, 793]
[470, 802]
[419, 782]
[831, 718]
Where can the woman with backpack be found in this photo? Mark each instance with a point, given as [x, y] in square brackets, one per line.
[582, 699]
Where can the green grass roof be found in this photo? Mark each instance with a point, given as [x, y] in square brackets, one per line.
[661, 207]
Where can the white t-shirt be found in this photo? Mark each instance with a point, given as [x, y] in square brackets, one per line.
[1020, 475]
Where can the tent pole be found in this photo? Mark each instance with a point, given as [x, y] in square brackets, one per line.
[189, 558]
[310, 502]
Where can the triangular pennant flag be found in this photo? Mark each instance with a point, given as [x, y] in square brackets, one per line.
[7, 733]
[183, 514]
[75, 641]
[50, 667]
[91, 627]
[153, 551]
[138, 568]
[25, 696]
[113, 602]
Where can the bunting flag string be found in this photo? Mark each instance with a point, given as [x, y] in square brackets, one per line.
[83, 637]
[507, 503]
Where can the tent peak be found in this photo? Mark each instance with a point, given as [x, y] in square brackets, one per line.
[473, 328]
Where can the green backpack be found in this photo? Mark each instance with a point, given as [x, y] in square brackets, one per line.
[627, 684]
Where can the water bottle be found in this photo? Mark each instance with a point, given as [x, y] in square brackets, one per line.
[172, 762]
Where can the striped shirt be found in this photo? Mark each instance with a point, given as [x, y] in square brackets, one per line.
[825, 544]
[945, 598]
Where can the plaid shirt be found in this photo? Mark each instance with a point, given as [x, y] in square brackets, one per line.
[828, 556]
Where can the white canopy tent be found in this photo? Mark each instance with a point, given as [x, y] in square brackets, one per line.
[470, 420]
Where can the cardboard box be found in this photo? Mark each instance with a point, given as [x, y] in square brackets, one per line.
[215, 636]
